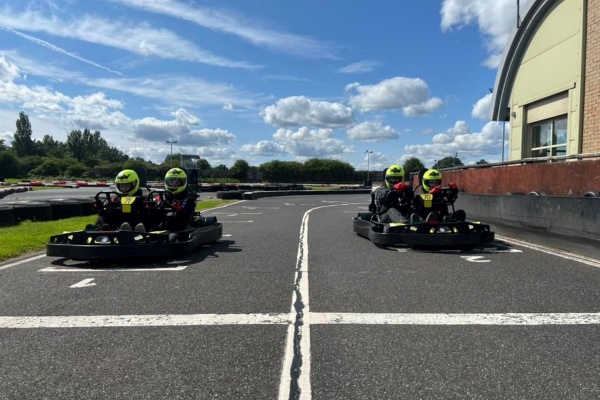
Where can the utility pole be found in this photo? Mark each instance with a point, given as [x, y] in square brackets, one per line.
[171, 142]
[367, 152]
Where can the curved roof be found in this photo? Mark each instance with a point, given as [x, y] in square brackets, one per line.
[534, 14]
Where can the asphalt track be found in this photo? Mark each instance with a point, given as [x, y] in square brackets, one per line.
[293, 304]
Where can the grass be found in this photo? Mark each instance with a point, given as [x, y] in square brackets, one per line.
[28, 237]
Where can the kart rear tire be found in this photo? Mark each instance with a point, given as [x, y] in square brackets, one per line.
[173, 237]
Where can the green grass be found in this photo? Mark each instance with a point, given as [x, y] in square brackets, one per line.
[29, 237]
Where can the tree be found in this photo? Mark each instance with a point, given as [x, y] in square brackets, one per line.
[76, 144]
[203, 164]
[239, 170]
[2, 145]
[8, 164]
[50, 147]
[23, 145]
[413, 164]
[482, 161]
[448, 162]
[221, 167]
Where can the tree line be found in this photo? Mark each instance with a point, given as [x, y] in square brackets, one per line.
[87, 155]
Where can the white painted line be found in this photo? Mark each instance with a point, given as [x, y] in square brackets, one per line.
[84, 283]
[26, 260]
[227, 235]
[476, 259]
[457, 319]
[115, 269]
[300, 309]
[552, 251]
[229, 222]
[99, 321]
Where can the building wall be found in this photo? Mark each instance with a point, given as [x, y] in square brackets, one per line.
[551, 64]
[554, 179]
[591, 105]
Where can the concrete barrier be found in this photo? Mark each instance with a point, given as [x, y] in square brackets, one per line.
[576, 217]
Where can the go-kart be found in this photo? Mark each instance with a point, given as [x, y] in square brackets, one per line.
[449, 230]
[109, 243]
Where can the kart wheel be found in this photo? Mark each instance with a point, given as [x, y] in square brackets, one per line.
[459, 215]
[173, 237]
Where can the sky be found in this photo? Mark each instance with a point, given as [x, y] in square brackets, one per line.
[260, 80]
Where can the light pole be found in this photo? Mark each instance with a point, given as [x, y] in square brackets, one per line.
[171, 142]
[367, 152]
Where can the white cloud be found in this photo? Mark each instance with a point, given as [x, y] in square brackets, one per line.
[483, 108]
[369, 131]
[359, 67]
[136, 38]
[58, 49]
[8, 71]
[222, 21]
[264, 148]
[228, 107]
[299, 110]
[496, 19]
[459, 139]
[411, 95]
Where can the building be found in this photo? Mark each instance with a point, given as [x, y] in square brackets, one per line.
[548, 88]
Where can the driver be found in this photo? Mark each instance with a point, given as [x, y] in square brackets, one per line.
[432, 178]
[387, 196]
[183, 199]
[127, 183]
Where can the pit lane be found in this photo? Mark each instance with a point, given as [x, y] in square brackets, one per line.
[376, 323]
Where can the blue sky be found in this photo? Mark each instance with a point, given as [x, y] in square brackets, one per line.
[260, 80]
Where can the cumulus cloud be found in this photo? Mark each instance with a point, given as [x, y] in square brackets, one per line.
[459, 139]
[304, 142]
[496, 19]
[299, 110]
[369, 131]
[359, 67]
[411, 95]
[483, 108]
[264, 148]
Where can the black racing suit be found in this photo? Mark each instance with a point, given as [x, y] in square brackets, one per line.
[387, 202]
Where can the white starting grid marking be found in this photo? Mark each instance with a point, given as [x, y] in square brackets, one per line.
[113, 269]
[132, 321]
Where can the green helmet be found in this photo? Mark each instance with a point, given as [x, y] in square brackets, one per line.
[127, 182]
[175, 180]
[431, 179]
[394, 174]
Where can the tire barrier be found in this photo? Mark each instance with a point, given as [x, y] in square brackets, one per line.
[591, 193]
[33, 212]
[258, 195]
[7, 216]
[62, 209]
[12, 190]
[230, 195]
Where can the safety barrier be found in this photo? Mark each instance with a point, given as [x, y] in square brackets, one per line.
[568, 216]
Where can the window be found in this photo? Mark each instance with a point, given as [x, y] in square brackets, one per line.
[549, 137]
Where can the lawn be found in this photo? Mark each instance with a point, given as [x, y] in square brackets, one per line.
[29, 237]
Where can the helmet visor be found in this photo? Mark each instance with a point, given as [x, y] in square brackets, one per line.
[433, 182]
[392, 180]
[125, 187]
[175, 182]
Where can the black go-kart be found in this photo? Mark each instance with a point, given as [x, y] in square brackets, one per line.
[449, 230]
[110, 243]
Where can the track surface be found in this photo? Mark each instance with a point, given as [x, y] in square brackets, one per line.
[292, 304]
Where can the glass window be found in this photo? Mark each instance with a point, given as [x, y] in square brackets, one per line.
[549, 137]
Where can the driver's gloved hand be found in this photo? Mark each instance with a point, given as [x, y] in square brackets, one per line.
[372, 207]
[392, 197]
